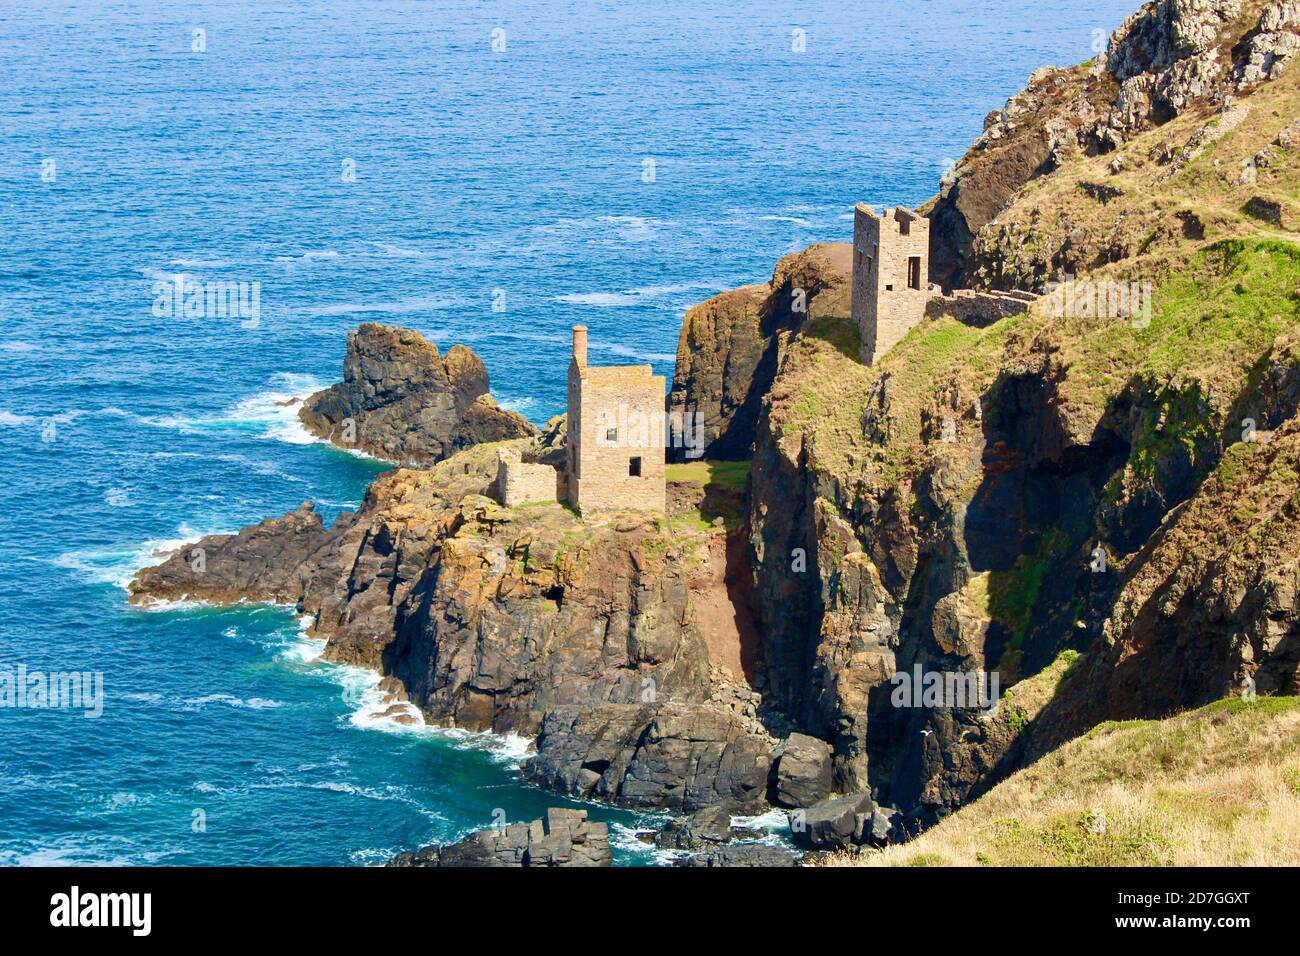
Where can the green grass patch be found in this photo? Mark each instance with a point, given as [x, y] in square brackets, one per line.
[732, 475]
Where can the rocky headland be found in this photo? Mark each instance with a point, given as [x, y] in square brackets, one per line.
[1101, 512]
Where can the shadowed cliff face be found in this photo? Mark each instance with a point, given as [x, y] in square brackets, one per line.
[987, 500]
[402, 401]
[727, 350]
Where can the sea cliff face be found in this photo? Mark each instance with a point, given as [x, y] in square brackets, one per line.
[601, 637]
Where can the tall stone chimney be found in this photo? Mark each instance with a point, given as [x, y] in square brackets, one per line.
[580, 345]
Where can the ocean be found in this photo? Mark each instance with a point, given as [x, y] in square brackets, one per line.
[485, 173]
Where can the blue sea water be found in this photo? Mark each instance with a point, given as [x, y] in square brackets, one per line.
[514, 178]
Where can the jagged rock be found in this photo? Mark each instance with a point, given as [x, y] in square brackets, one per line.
[676, 755]
[831, 824]
[260, 563]
[803, 771]
[878, 828]
[726, 353]
[1167, 59]
[743, 854]
[403, 401]
[563, 838]
[1272, 45]
[710, 827]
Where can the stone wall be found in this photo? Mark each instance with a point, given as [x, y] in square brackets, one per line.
[620, 419]
[889, 292]
[521, 481]
[978, 309]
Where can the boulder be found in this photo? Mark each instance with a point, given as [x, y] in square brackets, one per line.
[831, 824]
[802, 772]
[402, 400]
[702, 830]
[674, 755]
[743, 854]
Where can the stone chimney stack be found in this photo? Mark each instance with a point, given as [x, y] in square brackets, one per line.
[580, 345]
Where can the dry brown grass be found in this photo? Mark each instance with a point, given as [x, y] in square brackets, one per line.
[1218, 786]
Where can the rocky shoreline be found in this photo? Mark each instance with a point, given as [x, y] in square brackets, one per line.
[943, 511]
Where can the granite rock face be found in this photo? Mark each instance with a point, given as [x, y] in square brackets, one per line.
[588, 633]
[681, 756]
[403, 401]
[563, 838]
[260, 563]
[832, 824]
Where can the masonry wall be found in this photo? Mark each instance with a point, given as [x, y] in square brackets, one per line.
[979, 309]
[629, 400]
[884, 306]
[519, 482]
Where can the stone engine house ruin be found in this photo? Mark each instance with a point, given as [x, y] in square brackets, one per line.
[615, 444]
[891, 291]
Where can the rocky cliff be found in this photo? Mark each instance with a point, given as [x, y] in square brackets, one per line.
[601, 637]
[726, 353]
[402, 401]
[1044, 499]
[1098, 510]
[1167, 86]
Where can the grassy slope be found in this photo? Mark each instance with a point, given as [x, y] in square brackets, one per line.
[1219, 785]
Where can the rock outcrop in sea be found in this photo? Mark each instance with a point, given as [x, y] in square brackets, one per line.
[403, 401]
[562, 838]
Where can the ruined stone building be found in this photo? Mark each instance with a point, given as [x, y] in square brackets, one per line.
[615, 442]
[891, 287]
[891, 264]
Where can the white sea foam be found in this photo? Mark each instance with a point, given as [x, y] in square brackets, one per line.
[639, 296]
[796, 220]
[397, 252]
[517, 404]
[272, 412]
[169, 275]
[306, 258]
[118, 564]
[637, 354]
[230, 700]
[199, 263]
[600, 298]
